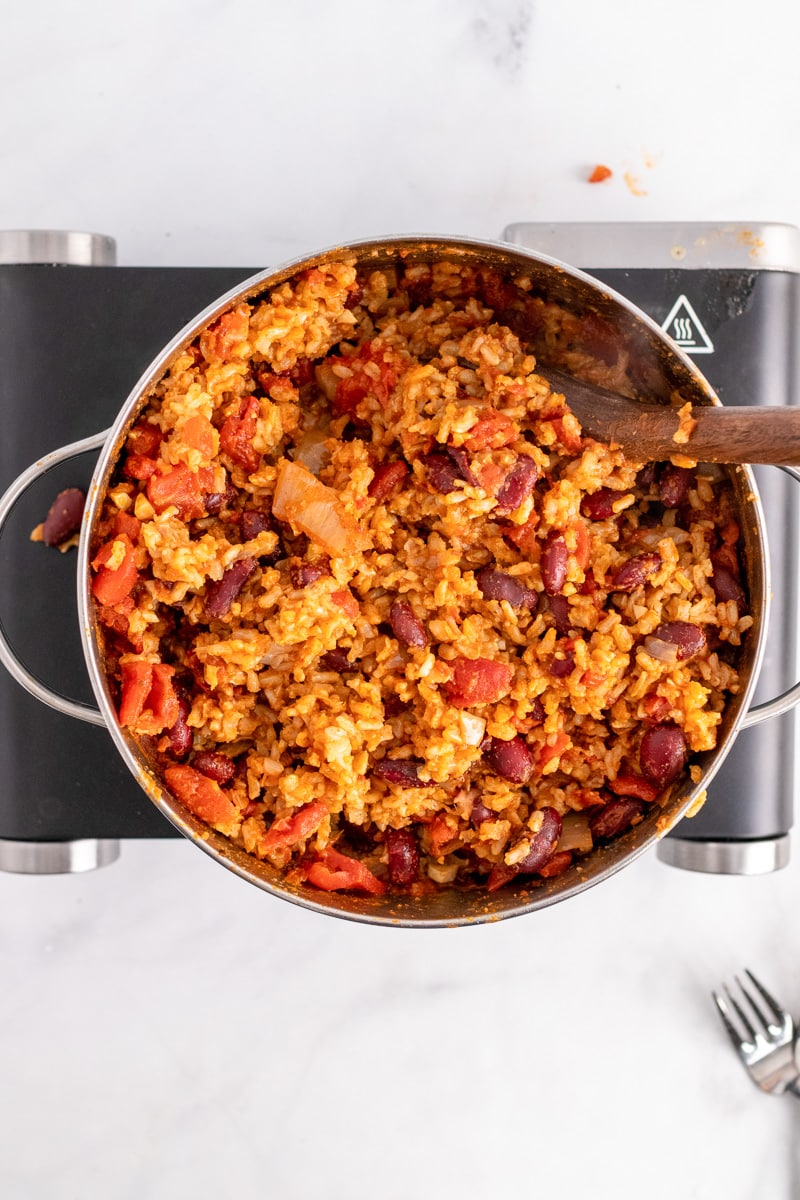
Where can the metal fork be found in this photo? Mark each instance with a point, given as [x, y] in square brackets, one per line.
[763, 1035]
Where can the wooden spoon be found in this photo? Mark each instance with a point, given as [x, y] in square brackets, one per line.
[644, 432]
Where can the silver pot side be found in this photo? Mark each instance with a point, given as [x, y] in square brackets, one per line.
[671, 369]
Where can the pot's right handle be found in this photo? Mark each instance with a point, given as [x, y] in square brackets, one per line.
[70, 708]
[787, 700]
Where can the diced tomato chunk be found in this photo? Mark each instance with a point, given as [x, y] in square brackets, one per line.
[144, 439]
[387, 480]
[557, 864]
[525, 539]
[289, 830]
[346, 601]
[200, 435]
[352, 389]
[551, 750]
[237, 433]
[477, 681]
[491, 431]
[127, 524]
[441, 833]
[228, 331]
[139, 466]
[113, 583]
[180, 488]
[582, 545]
[205, 798]
[162, 701]
[629, 784]
[335, 872]
[137, 679]
[499, 876]
[657, 708]
[567, 433]
[149, 703]
[600, 173]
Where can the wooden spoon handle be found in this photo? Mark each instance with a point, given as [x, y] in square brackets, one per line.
[722, 434]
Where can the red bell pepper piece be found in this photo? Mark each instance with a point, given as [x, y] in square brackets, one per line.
[205, 798]
[112, 584]
[335, 872]
[237, 433]
[295, 827]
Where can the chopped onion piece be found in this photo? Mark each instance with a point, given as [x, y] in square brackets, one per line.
[312, 452]
[666, 652]
[575, 833]
[316, 510]
[326, 380]
[443, 872]
[472, 728]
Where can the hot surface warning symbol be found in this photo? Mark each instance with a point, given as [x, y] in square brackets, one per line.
[685, 327]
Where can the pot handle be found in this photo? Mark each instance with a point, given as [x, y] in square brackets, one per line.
[788, 699]
[70, 708]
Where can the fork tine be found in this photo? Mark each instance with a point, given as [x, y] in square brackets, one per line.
[778, 1013]
[726, 1021]
[742, 1015]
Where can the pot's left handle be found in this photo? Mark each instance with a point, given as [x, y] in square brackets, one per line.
[70, 708]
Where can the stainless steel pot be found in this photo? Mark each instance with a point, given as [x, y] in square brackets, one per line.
[668, 369]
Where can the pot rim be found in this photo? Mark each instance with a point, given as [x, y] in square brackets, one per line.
[215, 845]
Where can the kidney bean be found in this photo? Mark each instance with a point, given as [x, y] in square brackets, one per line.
[554, 564]
[403, 771]
[214, 502]
[561, 667]
[403, 856]
[255, 521]
[498, 585]
[647, 477]
[180, 735]
[63, 517]
[357, 431]
[599, 506]
[674, 484]
[537, 713]
[726, 587]
[662, 754]
[459, 458]
[689, 639]
[634, 572]
[481, 813]
[511, 760]
[302, 574]
[445, 467]
[406, 627]
[336, 660]
[393, 706]
[221, 595]
[354, 294]
[558, 608]
[614, 818]
[442, 472]
[218, 767]
[543, 843]
[518, 484]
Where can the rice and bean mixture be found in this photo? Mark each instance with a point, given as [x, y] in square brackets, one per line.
[387, 620]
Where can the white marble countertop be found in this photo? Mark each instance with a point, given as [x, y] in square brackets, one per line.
[168, 1031]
